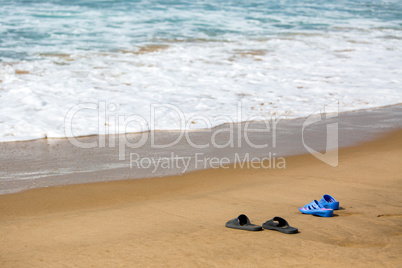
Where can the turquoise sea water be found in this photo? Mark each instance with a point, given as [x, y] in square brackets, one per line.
[31, 27]
[205, 58]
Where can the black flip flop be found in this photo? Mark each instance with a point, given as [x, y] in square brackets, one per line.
[243, 223]
[281, 225]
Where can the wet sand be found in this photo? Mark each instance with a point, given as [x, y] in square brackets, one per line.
[52, 162]
[179, 221]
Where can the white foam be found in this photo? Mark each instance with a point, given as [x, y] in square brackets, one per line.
[288, 74]
[291, 76]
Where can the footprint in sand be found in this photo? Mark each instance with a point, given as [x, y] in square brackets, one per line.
[348, 213]
[361, 244]
[390, 215]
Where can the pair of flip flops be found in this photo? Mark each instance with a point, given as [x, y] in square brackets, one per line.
[323, 208]
[277, 223]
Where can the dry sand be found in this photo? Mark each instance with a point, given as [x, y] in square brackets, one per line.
[180, 221]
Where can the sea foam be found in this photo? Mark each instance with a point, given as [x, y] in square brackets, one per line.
[202, 63]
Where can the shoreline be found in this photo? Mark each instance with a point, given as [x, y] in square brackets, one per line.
[51, 162]
[180, 220]
[379, 108]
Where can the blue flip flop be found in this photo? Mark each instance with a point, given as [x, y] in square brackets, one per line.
[315, 208]
[328, 201]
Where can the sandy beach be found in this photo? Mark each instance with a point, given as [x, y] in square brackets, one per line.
[179, 221]
[131, 132]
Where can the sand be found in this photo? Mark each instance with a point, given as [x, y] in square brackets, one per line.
[179, 221]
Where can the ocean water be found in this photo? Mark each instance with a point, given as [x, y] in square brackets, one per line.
[85, 67]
